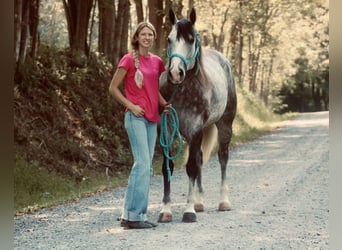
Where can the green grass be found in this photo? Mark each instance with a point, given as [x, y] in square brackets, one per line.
[253, 118]
[36, 188]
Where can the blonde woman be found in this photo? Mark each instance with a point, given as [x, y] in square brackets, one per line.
[139, 70]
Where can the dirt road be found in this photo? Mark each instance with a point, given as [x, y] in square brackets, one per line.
[278, 190]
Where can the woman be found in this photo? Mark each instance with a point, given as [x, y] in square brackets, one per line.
[140, 71]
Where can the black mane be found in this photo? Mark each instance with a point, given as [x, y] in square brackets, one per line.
[185, 30]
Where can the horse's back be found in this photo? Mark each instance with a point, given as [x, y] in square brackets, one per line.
[219, 72]
[216, 65]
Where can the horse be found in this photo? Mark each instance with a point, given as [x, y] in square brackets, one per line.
[199, 85]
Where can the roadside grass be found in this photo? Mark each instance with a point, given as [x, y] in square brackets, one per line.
[36, 188]
[253, 119]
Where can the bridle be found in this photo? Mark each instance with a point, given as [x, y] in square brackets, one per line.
[194, 57]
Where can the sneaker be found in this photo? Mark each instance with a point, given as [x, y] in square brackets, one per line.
[151, 223]
[124, 223]
[138, 225]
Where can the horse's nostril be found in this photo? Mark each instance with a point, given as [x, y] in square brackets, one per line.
[181, 71]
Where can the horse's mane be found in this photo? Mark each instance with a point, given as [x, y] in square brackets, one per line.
[185, 30]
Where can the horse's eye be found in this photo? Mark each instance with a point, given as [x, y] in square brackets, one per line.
[191, 39]
[168, 40]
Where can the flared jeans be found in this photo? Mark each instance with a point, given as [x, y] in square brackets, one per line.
[142, 136]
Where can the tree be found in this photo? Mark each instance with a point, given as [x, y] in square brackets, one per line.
[306, 89]
[106, 27]
[236, 42]
[26, 19]
[155, 16]
[77, 14]
[139, 10]
[121, 31]
[258, 36]
[219, 39]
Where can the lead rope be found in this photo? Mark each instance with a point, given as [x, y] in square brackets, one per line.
[169, 118]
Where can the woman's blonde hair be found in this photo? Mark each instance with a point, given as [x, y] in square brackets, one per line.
[138, 77]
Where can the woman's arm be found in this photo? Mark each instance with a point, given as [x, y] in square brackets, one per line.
[114, 90]
[162, 101]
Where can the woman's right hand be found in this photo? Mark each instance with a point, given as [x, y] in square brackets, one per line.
[137, 111]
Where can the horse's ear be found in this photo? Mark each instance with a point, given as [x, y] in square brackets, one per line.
[172, 16]
[193, 16]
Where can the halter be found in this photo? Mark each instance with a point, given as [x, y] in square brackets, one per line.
[192, 58]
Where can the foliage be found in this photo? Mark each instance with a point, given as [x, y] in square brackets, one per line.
[52, 24]
[307, 89]
[253, 118]
[64, 117]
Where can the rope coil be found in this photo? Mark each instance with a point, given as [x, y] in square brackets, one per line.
[169, 119]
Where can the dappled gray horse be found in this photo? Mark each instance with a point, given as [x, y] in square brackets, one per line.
[200, 86]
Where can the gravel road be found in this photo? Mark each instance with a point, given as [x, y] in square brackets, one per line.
[278, 190]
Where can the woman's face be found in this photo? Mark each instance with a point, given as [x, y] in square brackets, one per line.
[146, 37]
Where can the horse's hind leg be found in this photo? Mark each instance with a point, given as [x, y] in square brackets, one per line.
[209, 139]
[224, 137]
[199, 207]
[165, 214]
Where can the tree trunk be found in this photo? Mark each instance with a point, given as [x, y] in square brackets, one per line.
[106, 28]
[251, 56]
[33, 27]
[222, 36]
[78, 14]
[92, 24]
[241, 45]
[17, 27]
[255, 67]
[121, 31]
[156, 16]
[139, 10]
[24, 31]
[269, 76]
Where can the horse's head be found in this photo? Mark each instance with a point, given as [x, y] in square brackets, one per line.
[183, 47]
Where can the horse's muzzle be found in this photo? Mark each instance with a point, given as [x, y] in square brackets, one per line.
[177, 75]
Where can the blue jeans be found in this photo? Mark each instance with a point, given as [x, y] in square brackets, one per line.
[142, 136]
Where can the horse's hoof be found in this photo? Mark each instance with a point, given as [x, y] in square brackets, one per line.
[224, 206]
[199, 207]
[189, 217]
[165, 217]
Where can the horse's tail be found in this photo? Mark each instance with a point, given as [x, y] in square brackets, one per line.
[209, 140]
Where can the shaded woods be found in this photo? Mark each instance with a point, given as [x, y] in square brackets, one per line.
[66, 52]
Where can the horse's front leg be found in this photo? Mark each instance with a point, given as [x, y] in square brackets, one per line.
[193, 168]
[165, 214]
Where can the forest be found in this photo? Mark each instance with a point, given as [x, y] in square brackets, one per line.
[65, 53]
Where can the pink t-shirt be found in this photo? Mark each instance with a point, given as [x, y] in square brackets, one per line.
[147, 97]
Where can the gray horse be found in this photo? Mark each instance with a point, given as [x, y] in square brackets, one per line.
[200, 86]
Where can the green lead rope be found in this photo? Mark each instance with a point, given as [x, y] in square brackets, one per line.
[169, 119]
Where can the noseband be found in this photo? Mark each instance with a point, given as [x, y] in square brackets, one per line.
[192, 58]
